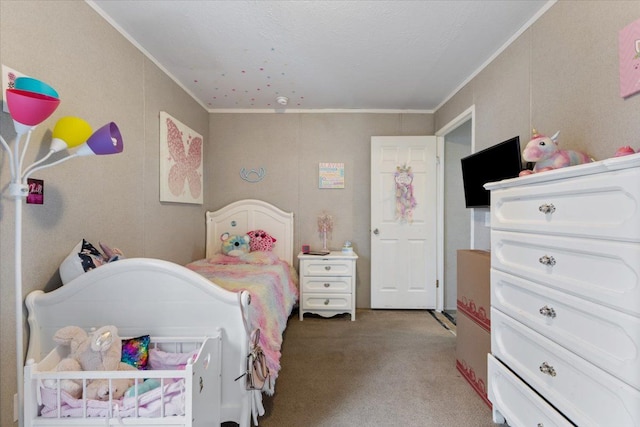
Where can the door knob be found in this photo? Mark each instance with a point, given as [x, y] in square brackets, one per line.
[376, 231]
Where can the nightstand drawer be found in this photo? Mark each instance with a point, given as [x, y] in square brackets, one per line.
[326, 302]
[326, 267]
[327, 284]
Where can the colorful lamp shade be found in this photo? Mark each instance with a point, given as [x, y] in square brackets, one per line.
[30, 84]
[70, 132]
[106, 140]
[29, 108]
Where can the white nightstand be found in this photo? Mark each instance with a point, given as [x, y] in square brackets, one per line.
[328, 284]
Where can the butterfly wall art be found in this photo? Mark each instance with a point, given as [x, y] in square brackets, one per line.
[180, 162]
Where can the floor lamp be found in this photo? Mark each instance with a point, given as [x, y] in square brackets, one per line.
[30, 102]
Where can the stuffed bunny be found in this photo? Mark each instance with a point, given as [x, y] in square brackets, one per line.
[99, 350]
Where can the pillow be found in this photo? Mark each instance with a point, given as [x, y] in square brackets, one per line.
[161, 360]
[260, 258]
[261, 241]
[135, 351]
[83, 257]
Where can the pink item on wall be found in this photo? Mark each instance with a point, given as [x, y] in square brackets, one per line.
[629, 53]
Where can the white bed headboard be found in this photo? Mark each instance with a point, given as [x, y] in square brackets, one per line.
[246, 215]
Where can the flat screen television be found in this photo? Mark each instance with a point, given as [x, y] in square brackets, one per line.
[495, 163]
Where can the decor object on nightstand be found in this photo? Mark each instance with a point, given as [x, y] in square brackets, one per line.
[30, 103]
[545, 153]
[328, 284]
[325, 227]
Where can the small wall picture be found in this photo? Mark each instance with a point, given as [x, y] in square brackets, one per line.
[36, 191]
[180, 162]
[629, 54]
[331, 175]
[9, 76]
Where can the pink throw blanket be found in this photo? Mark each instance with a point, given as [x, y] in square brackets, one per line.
[272, 284]
[148, 404]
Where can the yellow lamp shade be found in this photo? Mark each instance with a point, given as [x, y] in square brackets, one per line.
[70, 132]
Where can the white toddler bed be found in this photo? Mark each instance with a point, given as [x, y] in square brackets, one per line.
[169, 302]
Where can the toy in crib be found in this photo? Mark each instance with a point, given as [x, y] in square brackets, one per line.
[100, 350]
[545, 153]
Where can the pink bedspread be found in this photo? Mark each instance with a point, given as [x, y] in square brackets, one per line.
[272, 284]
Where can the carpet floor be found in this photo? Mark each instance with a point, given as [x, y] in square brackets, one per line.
[388, 368]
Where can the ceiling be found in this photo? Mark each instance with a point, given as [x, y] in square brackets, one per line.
[321, 55]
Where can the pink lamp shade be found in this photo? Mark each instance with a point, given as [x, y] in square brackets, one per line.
[30, 84]
[104, 141]
[30, 108]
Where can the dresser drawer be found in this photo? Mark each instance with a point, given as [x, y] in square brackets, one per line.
[326, 302]
[586, 395]
[607, 338]
[602, 271]
[327, 284]
[326, 267]
[600, 205]
[516, 402]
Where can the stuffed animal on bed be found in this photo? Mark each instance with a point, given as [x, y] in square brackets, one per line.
[261, 241]
[235, 244]
[100, 350]
[546, 154]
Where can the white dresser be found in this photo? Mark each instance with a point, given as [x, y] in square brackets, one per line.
[328, 284]
[565, 297]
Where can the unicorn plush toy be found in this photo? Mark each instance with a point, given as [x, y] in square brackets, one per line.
[546, 154]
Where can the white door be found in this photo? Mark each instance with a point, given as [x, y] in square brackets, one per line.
[403, 222]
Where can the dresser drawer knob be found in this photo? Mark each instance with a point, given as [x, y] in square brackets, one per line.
[547, 208]
[326, 285]
[327, 267]
[548, 312]
[326, 302]
[540, 425]
[545, 368]
[547, 260]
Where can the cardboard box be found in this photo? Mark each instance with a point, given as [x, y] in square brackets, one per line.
[473, 343]
[474, 291]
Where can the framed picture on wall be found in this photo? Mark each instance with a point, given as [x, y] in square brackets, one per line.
[180, 162]
[331, 175]
[629, 53]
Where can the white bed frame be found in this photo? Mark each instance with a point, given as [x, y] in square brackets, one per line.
[163, 299]
[246, 215]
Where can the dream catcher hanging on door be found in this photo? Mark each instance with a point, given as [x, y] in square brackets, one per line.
[405, 202]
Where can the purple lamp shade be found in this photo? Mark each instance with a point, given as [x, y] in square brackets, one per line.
[30, 108]
[106, 140]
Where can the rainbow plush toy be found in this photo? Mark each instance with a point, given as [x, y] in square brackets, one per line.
[546, 154]
[235, 245]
